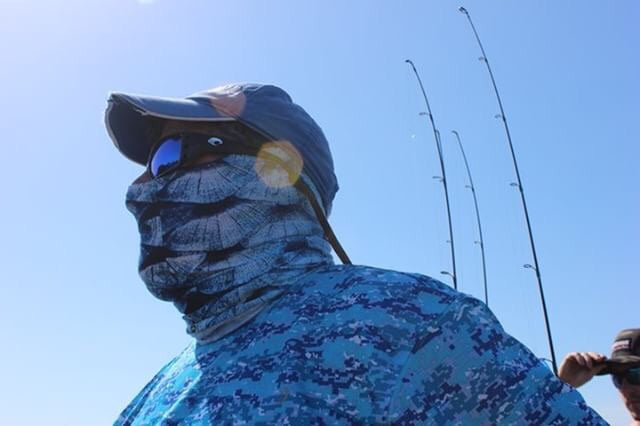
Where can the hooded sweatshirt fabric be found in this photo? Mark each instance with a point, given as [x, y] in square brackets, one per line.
[284, 336]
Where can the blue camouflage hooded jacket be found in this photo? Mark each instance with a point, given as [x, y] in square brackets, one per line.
[358, 345]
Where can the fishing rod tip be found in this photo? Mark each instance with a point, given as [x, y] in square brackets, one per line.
[462, 9]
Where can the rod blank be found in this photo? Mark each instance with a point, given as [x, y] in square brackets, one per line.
[475, 203]
[535, 267]
[443, 178]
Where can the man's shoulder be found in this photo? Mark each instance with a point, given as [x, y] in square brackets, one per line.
[339, 280]
[370, 313]
[346, 293]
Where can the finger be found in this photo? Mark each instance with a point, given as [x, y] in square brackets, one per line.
[589, 360]
[598, 358]
[588, 363]
[572, 357]
[581, 359]
[598, 368]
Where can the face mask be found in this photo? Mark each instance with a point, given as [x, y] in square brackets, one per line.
[221, 244]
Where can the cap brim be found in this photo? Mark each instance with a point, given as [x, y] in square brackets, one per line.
[620, 365]
[132, 119]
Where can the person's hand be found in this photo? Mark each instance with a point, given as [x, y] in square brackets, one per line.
[578, 368]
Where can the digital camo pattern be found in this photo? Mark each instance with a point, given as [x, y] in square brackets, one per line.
[359, 345]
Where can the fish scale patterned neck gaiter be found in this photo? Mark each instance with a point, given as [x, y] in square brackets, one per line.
[221, 244]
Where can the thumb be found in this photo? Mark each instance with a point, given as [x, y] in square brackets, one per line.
[598, 368]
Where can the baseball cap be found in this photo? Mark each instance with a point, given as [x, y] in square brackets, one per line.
[269, 110]
[625, 352]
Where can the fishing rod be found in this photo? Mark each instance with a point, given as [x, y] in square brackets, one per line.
[518, 185]
[475, 203]
[443, 179]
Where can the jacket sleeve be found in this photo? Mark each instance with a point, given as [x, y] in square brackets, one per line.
[465, 369]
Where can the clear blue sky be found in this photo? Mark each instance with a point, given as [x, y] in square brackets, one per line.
[80, 334]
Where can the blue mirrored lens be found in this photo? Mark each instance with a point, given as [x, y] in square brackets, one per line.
[617, 380]
[166, 157]
[633, 376]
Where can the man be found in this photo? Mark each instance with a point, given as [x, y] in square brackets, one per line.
[578, 368]
[232, 216]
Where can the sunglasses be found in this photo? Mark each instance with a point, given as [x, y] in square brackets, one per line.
[175, 151]
[631, 376]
